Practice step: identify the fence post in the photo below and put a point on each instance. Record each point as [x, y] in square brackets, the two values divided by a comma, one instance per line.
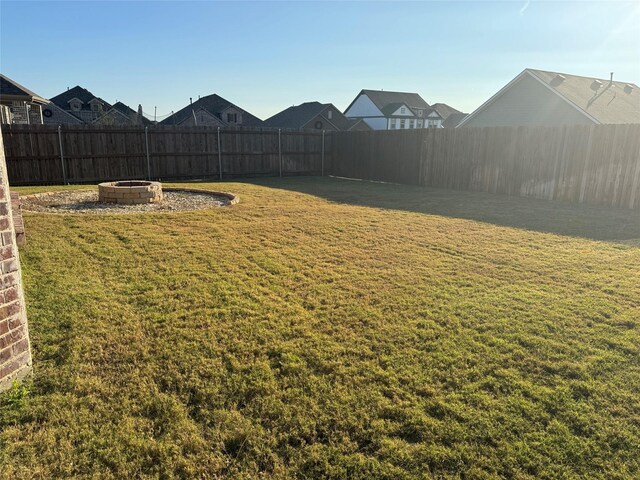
[64, 171]
[219, 155]
[322, 165]
[146, 142]
[280, 151]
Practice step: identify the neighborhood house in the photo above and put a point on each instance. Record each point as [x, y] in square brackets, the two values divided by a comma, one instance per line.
[18, 103]
[315, 116]
[212, 110]
[538, 97]
[393, 110]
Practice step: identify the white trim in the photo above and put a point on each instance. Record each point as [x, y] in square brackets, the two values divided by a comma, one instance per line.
[509, 85]
[75, 98]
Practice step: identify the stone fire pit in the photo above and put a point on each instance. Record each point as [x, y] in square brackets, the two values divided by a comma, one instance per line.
[130, 192]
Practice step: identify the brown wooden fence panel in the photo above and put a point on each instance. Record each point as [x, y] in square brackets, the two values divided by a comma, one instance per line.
[597, 164]
[99, 153]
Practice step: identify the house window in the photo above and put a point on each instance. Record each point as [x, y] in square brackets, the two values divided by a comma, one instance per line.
[95, 106]
[75, 106]
[412, 124]
[402, 123]
[419, 123]
[232, 117]
[403, 110]
[419, 113]
[329, 114]
[393, 124]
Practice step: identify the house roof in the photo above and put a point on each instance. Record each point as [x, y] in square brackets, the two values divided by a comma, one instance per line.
[382, 98]
[215, 105]
[296, 116]
[130, 112]
[609, 104]
[82, 94]
[12, 90]
[613, 102]
[392, 108]
[445, 110]
[453, 119]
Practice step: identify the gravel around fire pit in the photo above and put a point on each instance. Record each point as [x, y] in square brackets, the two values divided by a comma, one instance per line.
[86, 201]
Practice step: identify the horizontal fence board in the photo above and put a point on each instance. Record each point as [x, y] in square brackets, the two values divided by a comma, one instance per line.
[100, 153]
[597, 164]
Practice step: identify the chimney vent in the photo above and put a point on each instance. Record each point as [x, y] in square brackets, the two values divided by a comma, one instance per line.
[595, 86]
[628, 88]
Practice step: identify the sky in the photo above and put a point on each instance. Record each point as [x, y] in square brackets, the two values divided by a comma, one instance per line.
[267, 56]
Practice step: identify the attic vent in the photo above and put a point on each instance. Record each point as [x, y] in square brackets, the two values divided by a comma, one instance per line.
[628, 89]
[557, 80]
[595, 86]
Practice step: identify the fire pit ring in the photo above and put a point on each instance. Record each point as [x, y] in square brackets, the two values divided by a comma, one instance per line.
[130, 192]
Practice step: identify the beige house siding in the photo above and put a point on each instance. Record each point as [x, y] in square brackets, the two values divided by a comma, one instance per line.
[527, 103]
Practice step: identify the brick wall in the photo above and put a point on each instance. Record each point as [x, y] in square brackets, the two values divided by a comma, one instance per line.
[15, 352]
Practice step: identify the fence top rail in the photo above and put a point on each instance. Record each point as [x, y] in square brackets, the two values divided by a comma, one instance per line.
[51, 128]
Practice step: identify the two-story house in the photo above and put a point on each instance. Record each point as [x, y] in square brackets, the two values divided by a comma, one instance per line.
[75, 106]
[212, 110]
[383, 110]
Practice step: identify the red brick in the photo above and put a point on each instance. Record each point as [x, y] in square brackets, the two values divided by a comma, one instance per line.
[9, 280]
[6, 252]
[15, 322]
[10, 338]
[5, 355]
[21, 346]
[9, 266]
[15, 364]
[13, 308]
[2, 192]
[10, 294]
[4, 223]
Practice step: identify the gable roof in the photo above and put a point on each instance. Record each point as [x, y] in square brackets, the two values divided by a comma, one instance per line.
[444, 110]
[613, 102]
[392, 108]
[82, 94]
[453, 120]
[129, 112]
[12, 90]
[215, 105]
[296, 116]
[382, 98]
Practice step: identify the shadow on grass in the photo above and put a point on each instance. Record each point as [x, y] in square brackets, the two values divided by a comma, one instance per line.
[588, 221]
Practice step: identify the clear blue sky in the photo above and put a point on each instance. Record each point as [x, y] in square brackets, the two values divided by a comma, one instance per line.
[266, 56]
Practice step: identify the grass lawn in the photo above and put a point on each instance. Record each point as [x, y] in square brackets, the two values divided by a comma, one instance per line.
[325, 328]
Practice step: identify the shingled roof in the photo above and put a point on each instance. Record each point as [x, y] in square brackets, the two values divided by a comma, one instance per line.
[215, 105]
[444, 110]
[613, 102]
[11, 90]
[130, 112]
[382, 98]
[82, 94]
[296, 116]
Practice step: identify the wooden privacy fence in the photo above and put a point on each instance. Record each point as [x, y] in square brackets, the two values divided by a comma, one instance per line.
[598, 164]
[45, 154]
